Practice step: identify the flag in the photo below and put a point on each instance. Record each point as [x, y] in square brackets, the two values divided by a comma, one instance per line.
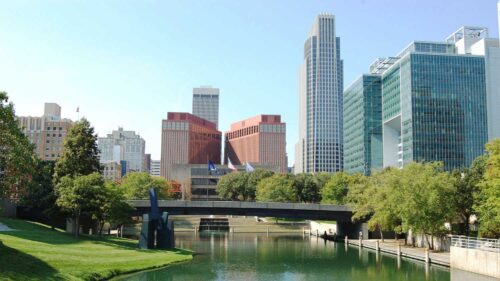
[211, 167]
[78, 109]
[230, 165]
[249, 167]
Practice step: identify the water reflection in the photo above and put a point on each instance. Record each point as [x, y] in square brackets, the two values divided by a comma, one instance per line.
[222, 256]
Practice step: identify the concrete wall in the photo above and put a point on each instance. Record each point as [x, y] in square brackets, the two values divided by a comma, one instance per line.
[440, 243]
[477, 261]
[321, 228]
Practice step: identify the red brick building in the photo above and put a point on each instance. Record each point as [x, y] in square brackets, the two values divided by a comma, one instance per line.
[188, 139]
[258, 140]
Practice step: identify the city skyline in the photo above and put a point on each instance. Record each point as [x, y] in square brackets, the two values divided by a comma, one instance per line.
[72, 87]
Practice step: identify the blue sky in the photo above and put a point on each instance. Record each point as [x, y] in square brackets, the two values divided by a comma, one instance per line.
[127, 63]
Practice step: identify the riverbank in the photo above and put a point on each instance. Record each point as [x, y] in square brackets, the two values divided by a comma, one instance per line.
[391, 246]
[32, 251]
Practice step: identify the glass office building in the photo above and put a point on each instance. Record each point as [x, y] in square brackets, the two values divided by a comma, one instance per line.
[363, 125]
[320, 101]
[433, 107]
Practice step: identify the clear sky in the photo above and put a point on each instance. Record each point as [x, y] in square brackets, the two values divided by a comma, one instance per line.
[127, 63]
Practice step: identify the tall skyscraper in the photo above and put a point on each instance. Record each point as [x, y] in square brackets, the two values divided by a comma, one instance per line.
[206, 104]
[188, 139]
[363, 125]
[121, 146]
[46, 132]
[320, 148]
[258, 140]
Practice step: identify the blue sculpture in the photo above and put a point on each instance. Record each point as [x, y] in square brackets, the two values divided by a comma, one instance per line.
[157, 232]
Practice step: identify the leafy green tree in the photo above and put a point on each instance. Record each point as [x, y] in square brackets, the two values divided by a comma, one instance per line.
[136, 185]
[277, 188]
[467, 190]
[383, 197]
[241, 186]
[322, 178]
[81, 195]
[336, 189]
[40, 193]
[487, 204]
[307, 188]
[17, 159]
[424, 202]
[80, 155]
[253, 180]
[114, 210]
[233, 186]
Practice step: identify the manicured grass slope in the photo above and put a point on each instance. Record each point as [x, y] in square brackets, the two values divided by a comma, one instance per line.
[35, 252]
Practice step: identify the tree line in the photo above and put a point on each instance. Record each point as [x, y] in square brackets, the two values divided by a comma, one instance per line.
[73, 185]
[420, 196]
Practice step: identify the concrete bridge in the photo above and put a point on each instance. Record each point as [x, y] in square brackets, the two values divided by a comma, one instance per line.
[341, 214]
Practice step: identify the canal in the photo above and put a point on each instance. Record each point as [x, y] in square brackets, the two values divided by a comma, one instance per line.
[225, 256]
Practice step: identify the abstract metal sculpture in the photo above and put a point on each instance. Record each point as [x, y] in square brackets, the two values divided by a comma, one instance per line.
[157, 232]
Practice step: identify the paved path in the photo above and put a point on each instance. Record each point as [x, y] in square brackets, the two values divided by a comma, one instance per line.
[3, 227]
[390, 246]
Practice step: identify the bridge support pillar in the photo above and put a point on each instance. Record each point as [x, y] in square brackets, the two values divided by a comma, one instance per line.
[352, 230]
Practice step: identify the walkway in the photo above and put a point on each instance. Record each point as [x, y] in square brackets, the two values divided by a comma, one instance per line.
[3, 227]
[390, 246]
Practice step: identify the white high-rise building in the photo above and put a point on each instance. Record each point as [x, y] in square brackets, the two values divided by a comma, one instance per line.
[155, 168]
[206, 104]
[123, 146]
[320, 148]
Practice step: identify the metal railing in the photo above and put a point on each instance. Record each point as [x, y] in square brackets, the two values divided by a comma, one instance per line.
[484, 244]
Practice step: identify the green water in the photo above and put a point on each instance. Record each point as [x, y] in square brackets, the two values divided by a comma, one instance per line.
[224, 256]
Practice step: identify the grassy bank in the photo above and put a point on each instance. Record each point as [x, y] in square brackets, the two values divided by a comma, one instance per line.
[35, 252]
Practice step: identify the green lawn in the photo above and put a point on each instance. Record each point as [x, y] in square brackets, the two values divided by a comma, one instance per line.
[35, 252]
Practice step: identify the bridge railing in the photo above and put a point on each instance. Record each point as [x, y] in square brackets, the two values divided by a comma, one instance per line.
[242, 204]
[490, 245]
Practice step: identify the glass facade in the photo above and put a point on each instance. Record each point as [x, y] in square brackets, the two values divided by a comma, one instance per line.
[448, 109]
[363, 125]
[434, 107]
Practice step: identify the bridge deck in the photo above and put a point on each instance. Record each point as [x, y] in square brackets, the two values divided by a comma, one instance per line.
[264, 209]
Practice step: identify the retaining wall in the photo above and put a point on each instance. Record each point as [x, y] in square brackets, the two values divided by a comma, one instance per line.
[476, 260]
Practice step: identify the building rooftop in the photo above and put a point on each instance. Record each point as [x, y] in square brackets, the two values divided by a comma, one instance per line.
[184, 116]
[256, 120]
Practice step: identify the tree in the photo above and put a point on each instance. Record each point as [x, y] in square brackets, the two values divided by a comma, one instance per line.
[322, 178]
[487, 204]
[424, 203]
[114, 210]
[17, 159]
[80, 155]
[306, 188]
[253, 180]
[336, 189]
[383, 197]
[136, 185]
[81, 195]
[467, 190]
[241, 186]
[40, 193]
[233, 186]
[277, 188]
